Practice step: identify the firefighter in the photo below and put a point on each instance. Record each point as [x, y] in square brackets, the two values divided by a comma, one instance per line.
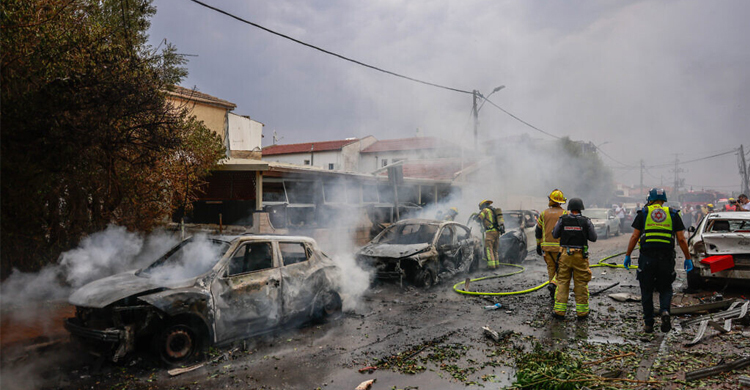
[547, 246]
[574, 232]
[450, 215]
[489, 221]
[657, 227]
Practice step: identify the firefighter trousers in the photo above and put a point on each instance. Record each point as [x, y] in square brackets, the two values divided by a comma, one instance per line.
[574, 266]
[552, 258]
[490, 248]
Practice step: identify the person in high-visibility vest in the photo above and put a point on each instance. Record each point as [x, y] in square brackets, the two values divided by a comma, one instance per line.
[574, 231]
[489, 223]
[450, 215]
[657, 227]
[547, 246]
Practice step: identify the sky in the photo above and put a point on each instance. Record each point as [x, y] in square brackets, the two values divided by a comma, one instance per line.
[651, 80]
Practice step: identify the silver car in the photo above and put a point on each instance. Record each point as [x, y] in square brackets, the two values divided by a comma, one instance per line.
[206, 291]
[720, 234]
[605, 222]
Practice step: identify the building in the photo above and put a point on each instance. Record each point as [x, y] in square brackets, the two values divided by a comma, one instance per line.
[339, 155]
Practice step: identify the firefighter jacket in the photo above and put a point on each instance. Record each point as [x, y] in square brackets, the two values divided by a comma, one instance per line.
[544, 225]
[489, 219]
[574, 231]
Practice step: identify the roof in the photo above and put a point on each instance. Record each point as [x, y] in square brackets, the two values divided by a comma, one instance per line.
[729, 215]
[434, 169]
[389, 145]
[307, 147]
[193, 95]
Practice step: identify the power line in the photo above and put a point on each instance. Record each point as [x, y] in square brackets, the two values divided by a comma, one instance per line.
[327, 51]
[697, 159]
[519, 119]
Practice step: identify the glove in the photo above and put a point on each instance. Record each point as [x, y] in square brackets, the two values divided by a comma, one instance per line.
[539, 249]
[688, 265]
[626, 263]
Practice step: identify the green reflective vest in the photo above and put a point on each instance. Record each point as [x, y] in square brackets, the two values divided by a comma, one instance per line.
[488, 219]
[658, 227]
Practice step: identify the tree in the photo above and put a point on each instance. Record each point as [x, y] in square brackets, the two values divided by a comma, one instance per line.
[88, 137]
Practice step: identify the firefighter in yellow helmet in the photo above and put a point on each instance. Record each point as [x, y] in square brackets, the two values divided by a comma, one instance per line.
[450, 215]
[574, 231]
[547, 246]
[493, 226]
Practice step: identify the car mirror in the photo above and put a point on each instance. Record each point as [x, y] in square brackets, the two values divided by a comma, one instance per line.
[691, 229]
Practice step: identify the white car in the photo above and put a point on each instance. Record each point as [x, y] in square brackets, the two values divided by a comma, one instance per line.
[604, 220]
[723, 239]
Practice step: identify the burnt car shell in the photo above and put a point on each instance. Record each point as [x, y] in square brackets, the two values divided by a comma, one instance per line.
[233, 295]
[419, 250]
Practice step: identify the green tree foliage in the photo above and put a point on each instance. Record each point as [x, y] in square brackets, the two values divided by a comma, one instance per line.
[88, 135]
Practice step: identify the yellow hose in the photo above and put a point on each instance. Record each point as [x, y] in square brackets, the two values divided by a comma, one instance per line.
[456, 288]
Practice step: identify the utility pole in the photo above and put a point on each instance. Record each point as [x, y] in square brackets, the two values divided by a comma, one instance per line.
[640, 189]
[677, 170]
[743, 171]
[474, 109]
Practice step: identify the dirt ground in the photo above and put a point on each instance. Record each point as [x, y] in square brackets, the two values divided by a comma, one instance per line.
[407, 338]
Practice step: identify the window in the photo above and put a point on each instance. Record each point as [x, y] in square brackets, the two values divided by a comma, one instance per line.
[301, 191]
[307, 162]
[330, 166]
[462, 233]
[385, 161]
[446, 237]
[293, 252]
[251, 257]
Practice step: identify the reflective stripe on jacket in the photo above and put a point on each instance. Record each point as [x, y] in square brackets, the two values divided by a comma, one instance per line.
[657, 229]
[487, 215]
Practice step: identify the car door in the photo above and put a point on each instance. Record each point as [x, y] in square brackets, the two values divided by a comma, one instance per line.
[446, 245]
[298, 288]
[247, 292]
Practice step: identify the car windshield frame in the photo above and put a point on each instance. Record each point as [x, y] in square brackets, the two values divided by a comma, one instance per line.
[394, 234]
[175, 256]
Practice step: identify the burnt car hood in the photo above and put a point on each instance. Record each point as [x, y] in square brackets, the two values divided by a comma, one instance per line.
[103, 292]
[393, 251]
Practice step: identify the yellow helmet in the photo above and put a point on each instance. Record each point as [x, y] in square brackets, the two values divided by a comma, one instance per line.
[557, 196]
[710, 205]
[455, 210]
[485, 202]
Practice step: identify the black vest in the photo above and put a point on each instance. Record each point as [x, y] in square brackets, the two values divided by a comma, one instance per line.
[574, 231]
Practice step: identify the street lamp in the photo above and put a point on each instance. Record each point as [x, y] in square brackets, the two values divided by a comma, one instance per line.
[476, 109]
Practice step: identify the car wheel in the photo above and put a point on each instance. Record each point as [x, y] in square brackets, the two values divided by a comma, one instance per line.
[178, 343]
[425, 278]
[326, 305]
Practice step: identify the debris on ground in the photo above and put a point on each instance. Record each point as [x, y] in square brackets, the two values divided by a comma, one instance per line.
[735, 312]
[625, 297]
[705, 372]
[701, 307]
[366, 385]
[595, 293]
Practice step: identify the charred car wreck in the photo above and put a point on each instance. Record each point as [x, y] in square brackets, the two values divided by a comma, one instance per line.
[420, 250]
[206, 291]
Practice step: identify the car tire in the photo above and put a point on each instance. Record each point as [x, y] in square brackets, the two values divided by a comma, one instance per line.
[178, 343]
[425, 278]
[326, 305]
[694, 280]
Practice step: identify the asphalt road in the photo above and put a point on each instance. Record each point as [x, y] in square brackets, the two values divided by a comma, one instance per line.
[424, 339]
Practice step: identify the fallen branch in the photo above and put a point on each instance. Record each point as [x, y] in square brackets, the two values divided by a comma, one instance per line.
[368, 369]
[609, 358]
[178, 371]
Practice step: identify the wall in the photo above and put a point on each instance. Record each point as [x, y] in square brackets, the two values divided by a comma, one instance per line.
[319, 159]
[245, 137]
[214, 117]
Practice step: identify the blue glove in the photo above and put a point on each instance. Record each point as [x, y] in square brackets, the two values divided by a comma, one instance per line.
[688, 265]
[626, 263]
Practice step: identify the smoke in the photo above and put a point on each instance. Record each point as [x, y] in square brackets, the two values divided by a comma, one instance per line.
[192, 259]
[101, 254]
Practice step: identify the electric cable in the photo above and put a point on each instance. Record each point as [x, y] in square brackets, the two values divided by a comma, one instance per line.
[328, 51]
[456, 288]
[519, 119]
[694, 160]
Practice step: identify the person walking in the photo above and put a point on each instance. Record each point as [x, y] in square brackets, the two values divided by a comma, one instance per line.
[547, 246]
[657, 227]
[574, 231]
[489, 221]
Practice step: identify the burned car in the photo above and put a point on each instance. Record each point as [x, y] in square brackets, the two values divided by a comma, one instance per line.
[206, 291]
[720, 249]
[420, 250]
[514, 245]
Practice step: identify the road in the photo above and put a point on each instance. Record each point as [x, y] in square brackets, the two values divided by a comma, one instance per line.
[423, 339]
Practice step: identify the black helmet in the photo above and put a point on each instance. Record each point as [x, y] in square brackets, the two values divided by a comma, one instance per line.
[575, 204]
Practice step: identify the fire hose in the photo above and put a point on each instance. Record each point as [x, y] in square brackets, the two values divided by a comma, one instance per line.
[456, 288]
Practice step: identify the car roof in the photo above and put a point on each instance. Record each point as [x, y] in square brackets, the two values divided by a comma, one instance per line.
[743, 215]
[258, 237]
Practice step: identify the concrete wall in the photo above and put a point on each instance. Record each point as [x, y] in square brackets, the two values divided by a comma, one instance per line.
[213, 117]
[319, 159]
